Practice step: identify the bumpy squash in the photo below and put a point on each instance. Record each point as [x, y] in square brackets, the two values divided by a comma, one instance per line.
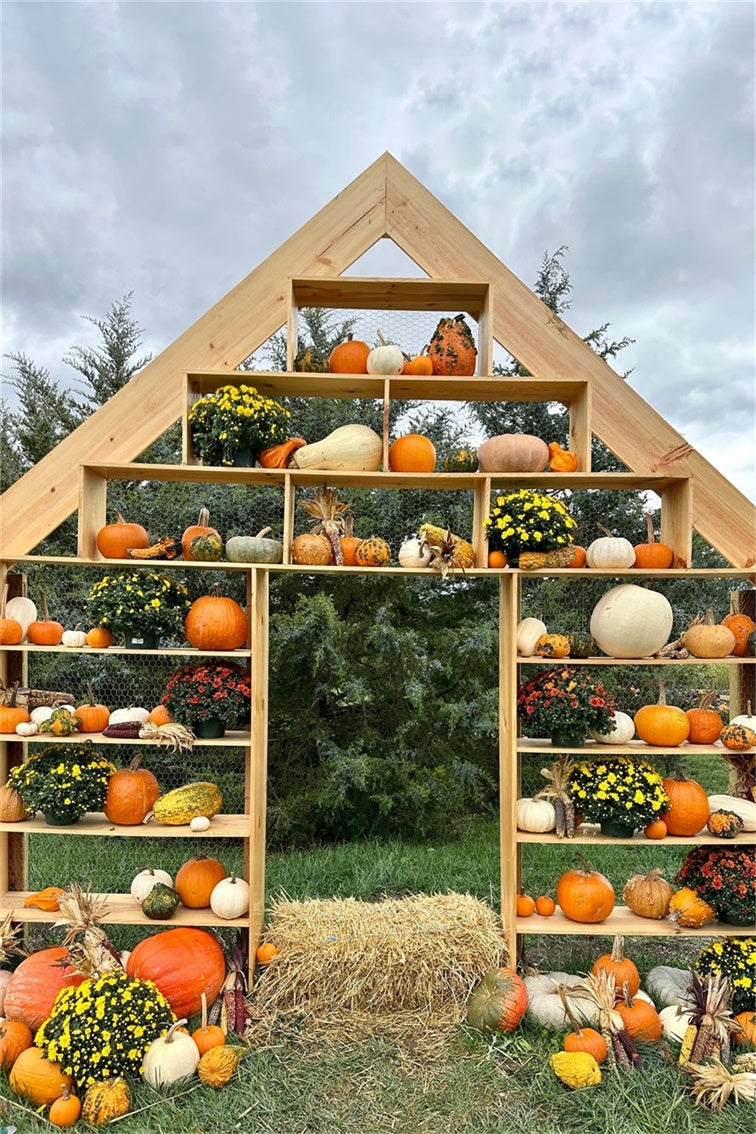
[206, 548]
[737, 737]
[463, 460]
[452, 348]
[161, 903]
[724, 824]
[183, 804]
[576, 1069]
[553, 646]
[105, 1101]
[582, 645]
[218, 1064]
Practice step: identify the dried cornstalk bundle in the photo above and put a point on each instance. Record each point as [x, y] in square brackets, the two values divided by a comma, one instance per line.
[713, 1086]
[178, 736]
[558, 776]
[328, 512]
[232, 1007]
[91, 950]
[743, 771]
[708, 1036]
[9, 943]
[601, 989]
[35, 698]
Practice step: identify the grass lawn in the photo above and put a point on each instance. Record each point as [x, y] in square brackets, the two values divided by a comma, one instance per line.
[476, 1084]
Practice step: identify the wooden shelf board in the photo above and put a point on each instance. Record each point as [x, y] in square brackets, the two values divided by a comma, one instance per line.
[121, 909]
[95, 823]
[639, 839]
[485, 389]
[230, 740]
[624, 921]
[731, 660]
[399, 294]
[633, 748]
[27, 647]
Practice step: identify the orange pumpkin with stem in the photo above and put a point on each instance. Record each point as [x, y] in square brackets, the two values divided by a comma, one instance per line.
[582, 1039]
[183, 963]
[36, 982]
[419, 365]
[92, 717]
[497, 559]
[66, 1110]
[12, 714]
[100, 638]
[545, 905]
[705, 722]
[15, 1037]
[640, 1018]
[11, 630]
[656, 830]
[207, 1035]
[688, 806]
[742, 627]
[616, 964]
[412, 453]
[115, 540]
[585, 895]
[216, 622]
[349, 542]
[201, 528]
[747, 1033]
[196, 879]
[131, 794]
[525, 905]
[652, 555]
[45, 631]
[38, 1079]
[160, 715]
[662, 725]
[349, 357]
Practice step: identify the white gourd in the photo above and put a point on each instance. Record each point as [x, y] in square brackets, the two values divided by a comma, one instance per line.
[170, 1058]
[747, 719]
[608, 553]
[536, 815]
[74, 639]
[742, 807]
[631, 621]
[27, 728]
[146, 879]
[529, 630]
[545, 1005]
[622, 730]
[132, 713]
[667, 984]
[40, 714]
[351, 448]
[385, 359]
[199, 823]
[230, 898]
[675, 1020]
[413, 553]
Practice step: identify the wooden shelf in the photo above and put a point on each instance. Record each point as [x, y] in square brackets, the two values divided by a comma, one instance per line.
[123, 651]
[633, 748]
[624, 921]
[95, 823]
[121, 909]
[236, 739]
[730, 660]
[744, 839]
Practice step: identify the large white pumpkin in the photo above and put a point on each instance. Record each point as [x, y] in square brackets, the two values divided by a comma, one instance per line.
[631, 621]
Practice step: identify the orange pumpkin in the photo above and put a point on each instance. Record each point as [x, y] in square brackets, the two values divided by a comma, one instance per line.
[131, 794]
[100, 638]
[201, 528]
[662, 725]
[216, 622]
[311, 549]
[640, 1018]
[349, 542]
[616, 964]
[11, 630]
[196, 879]
[705, 722]
[15, 1037]
[91, 716]
[160, 715]
[45, 631]
[265, 953]
[419, 365]
[656, 830]
[742, 627]
[545, 905]
[586, 1039]
[36, 982]
[66, 1110]
[652, 555]
[525, 905]
[47, 899]
[578, 556]
[373, 552]
[12, 714]
[114, 541]
[688, 806]
[183, 963]
[497, 559]
[207, 1035]
[747, 1034]
[585, 895]
[38, 1079]
[349, 357]
[412, 453]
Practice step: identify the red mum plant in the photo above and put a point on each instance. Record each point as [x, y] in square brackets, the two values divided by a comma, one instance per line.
[197, 693]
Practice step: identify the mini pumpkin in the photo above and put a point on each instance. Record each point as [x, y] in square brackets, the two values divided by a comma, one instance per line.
[706, 638]
[705, 722]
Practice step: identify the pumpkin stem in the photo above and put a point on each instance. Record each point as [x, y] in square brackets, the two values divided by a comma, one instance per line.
[169, 1037]
[203, 520]
[263, 532]
[381, 339]
[606, 531]
[203, 1024]
[618, 954]
[45, 611]
[584, 863]
[650, 528]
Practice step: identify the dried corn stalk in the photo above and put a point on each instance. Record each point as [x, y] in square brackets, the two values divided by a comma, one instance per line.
[601, 989]
[712, 1085]
[178, 736]
[708, 1036]
[91, 950]
[558, 776]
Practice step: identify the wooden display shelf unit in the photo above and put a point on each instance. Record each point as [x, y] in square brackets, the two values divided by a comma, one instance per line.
[744, 839]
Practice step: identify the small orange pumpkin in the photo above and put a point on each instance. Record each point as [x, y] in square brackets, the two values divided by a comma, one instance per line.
[616, 964]
[497, 559]
[419, 365]
[12, 714]
[640, 1018]
[115, 540]
[545, 905]
[662, 725]
[705, 722]
[92, 717]
[652, 555]
[15, 1037]
[656, 830]
[45, 631]
[525, 905]
[195, 881]
[747, 1034]
[265, 953]
[66, 1110]
[689, 910]
[99, 638]
[207, 1035]
[131, 794]
[349, 357]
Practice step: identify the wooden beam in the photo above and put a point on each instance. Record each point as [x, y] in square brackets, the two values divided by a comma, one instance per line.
[221, 339]
[433, 237]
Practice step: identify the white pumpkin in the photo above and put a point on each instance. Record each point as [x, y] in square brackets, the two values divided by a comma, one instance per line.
[747, 719]
[74, 639]
[146, 879]
[40, 714]
[230, 898]
[621, 732]
[121, 716]
[536, 815]
[199, 823]
[668, 985]
[170, 1058]
[413, 553]
[631, 621]
[27, 728]
[609, 553]
[545, 1005]
[385, 359]
[529, 630]
[742, 807]
[675, 1020]
[23, 610]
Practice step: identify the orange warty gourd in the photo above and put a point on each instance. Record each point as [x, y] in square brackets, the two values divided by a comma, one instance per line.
[705, 722]
[689, 910]
[216, 622]
[412, 453]
[201, 528]
[452, 348]
[562, 460]
[652, 555]
[311, 550]
[36, 982]
[525, 905]
[131, 794]
[38, 1079]
[349, 357]
[15, 1037]
[115, 540]
[373, 552]
[688, 806]
[662, 725]
[585, 895]
[45, 631]
[742, 627]
[619, 966]
[195, 880]
[640, 1018]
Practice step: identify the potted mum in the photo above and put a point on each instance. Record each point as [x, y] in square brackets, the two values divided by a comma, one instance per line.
[725, 878]
[619, 792]
[528, 521]
[143, 606]
[64, 782]
[565, 704]
[209, 697]
[232, 425]
[733, 957]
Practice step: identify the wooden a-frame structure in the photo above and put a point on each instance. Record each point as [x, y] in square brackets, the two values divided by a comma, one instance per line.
[383, 201]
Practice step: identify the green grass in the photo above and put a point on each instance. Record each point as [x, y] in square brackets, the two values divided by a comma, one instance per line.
[477, 1084]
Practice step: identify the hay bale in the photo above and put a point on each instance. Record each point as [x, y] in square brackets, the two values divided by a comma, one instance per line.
[387, 967]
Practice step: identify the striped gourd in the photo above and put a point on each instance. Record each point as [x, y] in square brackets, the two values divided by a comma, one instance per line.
[183, 804]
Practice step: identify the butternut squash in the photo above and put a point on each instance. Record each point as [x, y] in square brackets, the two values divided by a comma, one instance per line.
[354, 448]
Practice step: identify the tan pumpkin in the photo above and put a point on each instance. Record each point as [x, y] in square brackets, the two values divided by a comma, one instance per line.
[513, 452]
[311, 550]
[706, 638]
[12, 808]
[648, 895]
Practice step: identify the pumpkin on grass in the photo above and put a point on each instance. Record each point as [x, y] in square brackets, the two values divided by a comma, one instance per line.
[183, 963]
[171, 1058]
[38, 1079]
[15, 1037]
[66, 1110]
[640, 1018]
[36, 982]
[107, 1100]
[207, 1036]
[582, 1038]
[497, 1002]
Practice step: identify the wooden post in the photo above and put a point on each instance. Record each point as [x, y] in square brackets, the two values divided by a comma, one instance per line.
[743, 677]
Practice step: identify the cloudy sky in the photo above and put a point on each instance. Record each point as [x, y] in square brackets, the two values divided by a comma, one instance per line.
[168, 148]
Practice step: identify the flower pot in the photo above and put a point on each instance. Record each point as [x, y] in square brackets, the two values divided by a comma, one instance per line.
[144, 640]
[244, 459]
[732, 917]
[568, 739]
[211, 729]
[616, 829]
[60, 818]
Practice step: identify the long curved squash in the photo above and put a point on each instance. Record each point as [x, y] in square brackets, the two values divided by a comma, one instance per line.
[183, 804]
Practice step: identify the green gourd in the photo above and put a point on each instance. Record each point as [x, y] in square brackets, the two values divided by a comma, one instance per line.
[582, 645]
[161, 903]
[463, 460]
[206, 548]
[254, 549]
[180, 806]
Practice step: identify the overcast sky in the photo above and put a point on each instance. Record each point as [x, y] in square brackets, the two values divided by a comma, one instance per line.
[168, 148]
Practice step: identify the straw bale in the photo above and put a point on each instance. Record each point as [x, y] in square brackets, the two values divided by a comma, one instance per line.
[399, 966]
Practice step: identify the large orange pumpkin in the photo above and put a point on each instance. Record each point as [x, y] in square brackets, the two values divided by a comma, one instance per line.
[216, 622]
[183, 963]
[115, 540]
[640, 1018]
[196, 879]
[584, 894]
[688, 806]
[412, 453]
[131, 794]
[36, 982]
[38, 1079]
[662, 725]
